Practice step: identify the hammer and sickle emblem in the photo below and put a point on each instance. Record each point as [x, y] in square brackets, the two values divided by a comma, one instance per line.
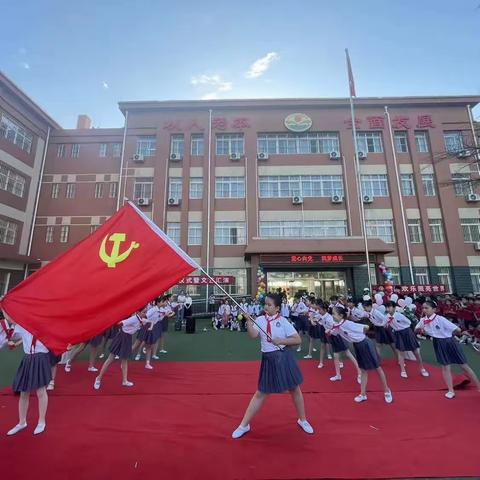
[115, 255]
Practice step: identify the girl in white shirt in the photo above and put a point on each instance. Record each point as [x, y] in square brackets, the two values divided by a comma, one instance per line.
[447, 351]
[33, 374]
[122, 347]
[279, 371]
[321, 317]
[367, 356]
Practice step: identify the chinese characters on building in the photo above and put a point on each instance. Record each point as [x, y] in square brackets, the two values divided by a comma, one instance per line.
[218, 123]
[399, 122]
[405, 289]
[204, 280]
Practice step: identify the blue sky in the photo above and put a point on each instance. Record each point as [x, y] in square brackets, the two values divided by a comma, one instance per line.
[84, 57]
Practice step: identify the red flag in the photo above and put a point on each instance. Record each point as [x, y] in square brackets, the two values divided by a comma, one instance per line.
[351, 82]
[115, 271]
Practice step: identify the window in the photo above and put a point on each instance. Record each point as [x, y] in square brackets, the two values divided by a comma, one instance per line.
[61, 150]
[8, 232]
[64, 231]
[70, 192]
[436, 230]
[286, 186]
[143, 188]
[146, 146]
[428, 183]
[414, 230]
[395, 271]
[230, 233]
[75, 150]
[175, 187]
[177, 145]
[196, 188]
[401, 142]
[117, 150]
[10, 181]
[369, 142]
[99, 190]
[444, 278]
[102, 152]
[421, 275]
[196, 144]
[408, 187]
[298, 143]
[55, 190]
[421, 142]
[374, 185]
[475, 275]
[173, 231]
[195, 233]
[229, 187]
[382, 229]
[49, 234]
[471, 229]
[228, 143]
[462, 184]
[15, 133]
[306, 229]
[112, 190]
[240, 287]
[453, 141]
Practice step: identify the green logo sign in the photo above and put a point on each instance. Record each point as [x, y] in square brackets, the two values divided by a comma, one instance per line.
[298, 122]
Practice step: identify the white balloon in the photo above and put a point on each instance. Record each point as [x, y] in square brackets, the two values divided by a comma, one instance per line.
[412, 307]
[401, 302]
[408, 300]
[382, 294]
[366, 297]
[381, 308]
[394, 297]
[378, 296]
[379, 301]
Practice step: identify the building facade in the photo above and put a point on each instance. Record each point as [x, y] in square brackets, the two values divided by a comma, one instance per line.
[24, 133]
[268, 187]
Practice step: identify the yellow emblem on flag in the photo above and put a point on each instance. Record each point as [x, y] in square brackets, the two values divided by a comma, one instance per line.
[115, 255]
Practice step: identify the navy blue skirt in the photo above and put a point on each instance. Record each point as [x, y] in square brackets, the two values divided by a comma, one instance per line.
[366, 354]
[279, 372]
[54, 359]
[300, 323]
[111, 332]
[405, 340]
[314, 331]
[164, 324]
[142, 333]
[448, 351]
[152, 336]
[33, 373]
[384, 335]
[158, 331]
[122, 345]
[323, 336]
[338, 344]
[96, 341]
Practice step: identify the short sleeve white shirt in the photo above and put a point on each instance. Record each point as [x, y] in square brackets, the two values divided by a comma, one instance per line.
[280, 328]
[27, 339]
[350, 331]
[131, 324]
[437, 326]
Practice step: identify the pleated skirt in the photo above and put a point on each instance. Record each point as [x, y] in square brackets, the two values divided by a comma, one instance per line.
[96, 341]
[338, 344]
[279, 372]
[384, 335]
[448, 351]
[122, 345]
[314, 331]
[405, 340]
[366, 354]
[33, 373]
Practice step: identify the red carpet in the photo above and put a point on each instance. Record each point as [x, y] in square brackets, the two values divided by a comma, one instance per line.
[177, 420]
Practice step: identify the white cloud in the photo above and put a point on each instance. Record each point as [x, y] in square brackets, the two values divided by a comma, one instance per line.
[105, 85]
[212, 81]
[260, 66]
[25, 65]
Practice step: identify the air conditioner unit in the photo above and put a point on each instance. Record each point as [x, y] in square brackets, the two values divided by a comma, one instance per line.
[234, 157]
[464, 153]
[334, 155]
[367, 199]
[143, 201]
[297, 200]
[262, 156]
[138, 158]
[173, 201]
[362, 156]
[337, 198]
[472, 197]
[174, 157]
[477, 246]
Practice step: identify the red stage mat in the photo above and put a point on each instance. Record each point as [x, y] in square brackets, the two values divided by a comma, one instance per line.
[177, 420]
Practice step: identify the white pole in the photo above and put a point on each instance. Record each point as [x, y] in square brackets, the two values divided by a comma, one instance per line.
[475, 139]
[125, 182]
[402, 208]
[208, 198]
[347, 196]
[122, 158]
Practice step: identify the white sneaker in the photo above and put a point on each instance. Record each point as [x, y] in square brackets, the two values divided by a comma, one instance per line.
[450, 395]
[299, 349]
[68, 367]
[92, 369]
[307, 357]
[116, 357]
[314, 349]
[305, 426]
[240, 431]
[155, 357]
[96, 384]
[388, 397]
[137, 357]
[40, 428]
[341, 365]
[404, 374]
[101, 355]
[336, 378]
[51, 385]
[360, 398]
[424, 373]
[148, 366]
[17, 428]
[127, 384]
[144, 350]
[329, 356]
[163, 351]
[320, 365]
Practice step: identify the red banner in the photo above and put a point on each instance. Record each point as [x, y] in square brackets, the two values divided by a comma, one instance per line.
[405, 289]
[204, 280]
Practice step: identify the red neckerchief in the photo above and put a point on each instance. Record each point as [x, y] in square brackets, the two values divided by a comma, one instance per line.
[390, 320]
[427, 320]
[338, 325]
[8, 331]
[139, 318]
[32, 346]
[269, 327]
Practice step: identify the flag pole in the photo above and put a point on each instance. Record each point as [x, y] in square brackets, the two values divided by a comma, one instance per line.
[357, 167]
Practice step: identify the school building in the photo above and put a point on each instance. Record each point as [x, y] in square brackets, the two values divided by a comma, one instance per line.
[264, 187]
